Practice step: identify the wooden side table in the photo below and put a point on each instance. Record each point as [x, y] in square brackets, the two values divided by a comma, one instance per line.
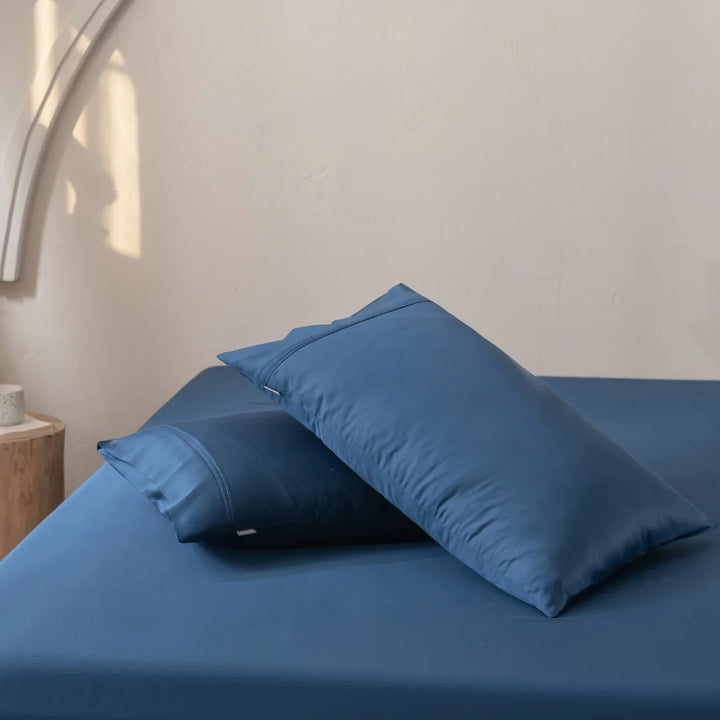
[31, 478]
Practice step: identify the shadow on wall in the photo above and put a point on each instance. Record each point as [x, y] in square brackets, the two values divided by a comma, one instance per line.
[517, 172]
[86, 210]
[101, 154]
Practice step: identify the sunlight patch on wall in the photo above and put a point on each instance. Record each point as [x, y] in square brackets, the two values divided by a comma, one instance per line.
[118, 129]
[80, 131]
[70, 197]
[45, 22]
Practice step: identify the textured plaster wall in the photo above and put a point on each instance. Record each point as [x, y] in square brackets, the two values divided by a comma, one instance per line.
[226, 170]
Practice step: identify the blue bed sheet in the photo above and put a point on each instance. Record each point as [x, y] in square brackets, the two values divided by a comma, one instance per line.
[104, 615]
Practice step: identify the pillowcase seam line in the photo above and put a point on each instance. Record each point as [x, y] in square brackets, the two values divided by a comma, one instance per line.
[219, 477]
[267, 374]
[151, 483]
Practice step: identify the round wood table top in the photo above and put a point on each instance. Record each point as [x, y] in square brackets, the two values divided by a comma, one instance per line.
[53, 427]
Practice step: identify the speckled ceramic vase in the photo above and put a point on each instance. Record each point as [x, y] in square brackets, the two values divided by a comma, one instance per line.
[12, 404]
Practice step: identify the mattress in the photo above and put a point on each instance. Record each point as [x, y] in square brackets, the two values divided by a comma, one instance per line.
[103, 614]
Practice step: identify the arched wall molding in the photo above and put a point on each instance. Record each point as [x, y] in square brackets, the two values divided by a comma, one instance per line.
[20, 166]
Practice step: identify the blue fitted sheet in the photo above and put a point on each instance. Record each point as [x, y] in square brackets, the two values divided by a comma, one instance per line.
[103, 614]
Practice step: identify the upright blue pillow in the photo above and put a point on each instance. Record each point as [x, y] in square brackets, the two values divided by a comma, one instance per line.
[258, 474]
[477, 451]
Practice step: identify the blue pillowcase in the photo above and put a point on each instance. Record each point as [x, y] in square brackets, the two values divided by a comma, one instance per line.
[257, 473]
[477, 451]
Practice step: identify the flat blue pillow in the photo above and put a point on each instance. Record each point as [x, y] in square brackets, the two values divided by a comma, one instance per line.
[477, 451]
[258, 474]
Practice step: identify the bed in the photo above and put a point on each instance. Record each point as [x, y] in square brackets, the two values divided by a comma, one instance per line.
[104, 615]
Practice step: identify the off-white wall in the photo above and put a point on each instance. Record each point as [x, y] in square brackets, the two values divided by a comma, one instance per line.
[226, 170]
[26, 38]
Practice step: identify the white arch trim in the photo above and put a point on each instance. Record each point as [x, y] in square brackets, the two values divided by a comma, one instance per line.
[20, 166]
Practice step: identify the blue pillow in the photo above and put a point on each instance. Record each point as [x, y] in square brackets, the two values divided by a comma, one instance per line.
[477, 451]
[258, 474]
